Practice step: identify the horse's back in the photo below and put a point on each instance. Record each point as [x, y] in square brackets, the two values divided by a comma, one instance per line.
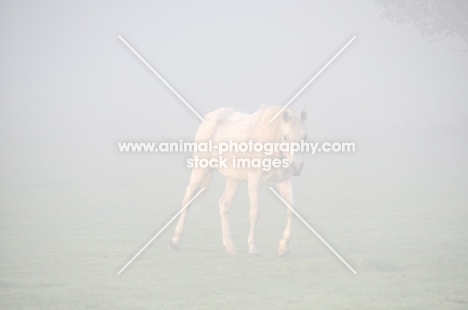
[216, 120]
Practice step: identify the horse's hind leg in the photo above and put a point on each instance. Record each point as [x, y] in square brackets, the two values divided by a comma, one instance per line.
[285, 190]
[197, 179]
[224, 206]
[254, 190]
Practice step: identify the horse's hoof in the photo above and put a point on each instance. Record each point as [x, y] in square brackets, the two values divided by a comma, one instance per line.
[232, 251]
[254, 252]
[282, 252]
[173, 246]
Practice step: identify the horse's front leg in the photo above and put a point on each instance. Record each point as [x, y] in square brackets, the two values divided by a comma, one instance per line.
[254, 191]
[285, 190]
[224, 207]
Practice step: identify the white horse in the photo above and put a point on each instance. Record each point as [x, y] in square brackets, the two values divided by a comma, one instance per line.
[227, 124]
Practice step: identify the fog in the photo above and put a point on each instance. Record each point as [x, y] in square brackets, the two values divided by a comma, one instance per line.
[74, 210]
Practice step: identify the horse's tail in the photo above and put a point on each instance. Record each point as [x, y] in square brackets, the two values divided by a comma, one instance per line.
[207, 180]
[205, 133]
[207, 184]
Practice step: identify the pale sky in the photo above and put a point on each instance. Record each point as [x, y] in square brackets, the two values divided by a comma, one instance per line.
[66, 76]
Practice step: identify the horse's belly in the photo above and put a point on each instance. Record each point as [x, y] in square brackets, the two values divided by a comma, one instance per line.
[238, 174]
[276, 175]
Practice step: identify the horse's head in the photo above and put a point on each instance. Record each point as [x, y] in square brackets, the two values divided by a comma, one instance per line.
[293, 131]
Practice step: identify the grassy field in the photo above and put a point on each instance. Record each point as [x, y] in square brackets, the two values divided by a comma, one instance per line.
[65, 235]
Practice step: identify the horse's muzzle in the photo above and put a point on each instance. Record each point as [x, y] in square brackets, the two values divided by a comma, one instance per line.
[296, 169]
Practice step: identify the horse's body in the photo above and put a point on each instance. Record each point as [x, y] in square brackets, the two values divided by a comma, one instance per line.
[227, 124]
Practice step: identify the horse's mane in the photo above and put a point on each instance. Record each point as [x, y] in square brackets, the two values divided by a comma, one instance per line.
[261, 130]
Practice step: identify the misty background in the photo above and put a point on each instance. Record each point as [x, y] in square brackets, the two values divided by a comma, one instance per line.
[73, 210]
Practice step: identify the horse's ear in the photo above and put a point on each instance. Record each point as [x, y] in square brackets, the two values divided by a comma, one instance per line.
[303, 115]
[285, 116]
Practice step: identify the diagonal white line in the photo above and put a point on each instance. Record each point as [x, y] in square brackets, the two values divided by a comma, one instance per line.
[313, 230]
[162, 79]
[161, 230]
[315, 76]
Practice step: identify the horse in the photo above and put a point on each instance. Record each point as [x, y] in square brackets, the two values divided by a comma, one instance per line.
[227, 124]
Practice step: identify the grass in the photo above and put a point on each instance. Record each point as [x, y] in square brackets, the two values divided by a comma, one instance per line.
[63, 242]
